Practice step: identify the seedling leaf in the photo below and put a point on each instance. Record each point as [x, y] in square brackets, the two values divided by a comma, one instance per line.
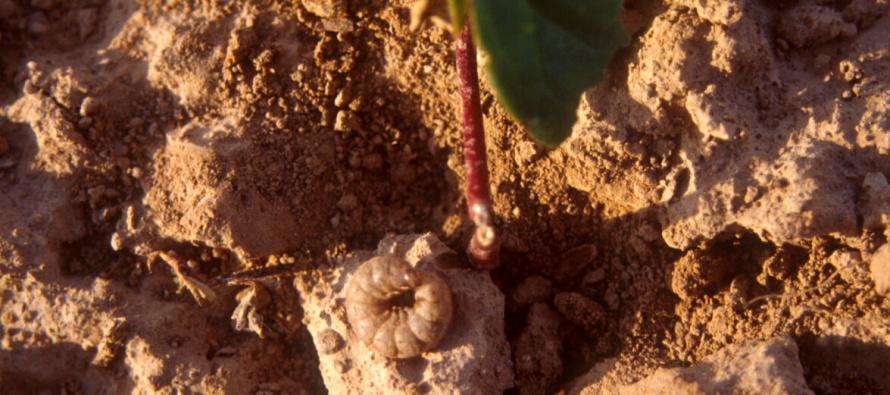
[458, 9]
[544, 53]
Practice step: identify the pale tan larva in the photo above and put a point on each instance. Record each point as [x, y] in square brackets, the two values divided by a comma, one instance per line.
[398, 311]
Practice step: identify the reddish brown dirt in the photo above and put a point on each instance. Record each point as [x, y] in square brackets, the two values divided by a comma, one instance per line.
[726, 183]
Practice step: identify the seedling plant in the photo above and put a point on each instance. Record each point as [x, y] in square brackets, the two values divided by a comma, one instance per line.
[542, 55]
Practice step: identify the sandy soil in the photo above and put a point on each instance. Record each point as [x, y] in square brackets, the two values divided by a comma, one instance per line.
[728, 182]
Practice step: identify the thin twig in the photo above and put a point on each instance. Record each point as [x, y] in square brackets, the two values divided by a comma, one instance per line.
[260, 274]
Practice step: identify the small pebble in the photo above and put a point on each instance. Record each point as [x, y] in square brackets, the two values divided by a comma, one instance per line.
[89, 107]
[880, 269]
[573, 263]
[30, 88]
[532, 289]
[579, 310]
[341, 367]
[108, 213]
[85, 123]
[595, 276]
[330, 342]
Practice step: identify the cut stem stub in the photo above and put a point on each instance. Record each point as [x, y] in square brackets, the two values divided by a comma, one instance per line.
[485, 245]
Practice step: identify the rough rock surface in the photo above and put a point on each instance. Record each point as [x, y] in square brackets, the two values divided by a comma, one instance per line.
[752, 367]
[72, 336]
[735, 162]
[473, 357]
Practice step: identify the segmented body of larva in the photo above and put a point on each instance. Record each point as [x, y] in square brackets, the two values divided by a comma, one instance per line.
[398, 311]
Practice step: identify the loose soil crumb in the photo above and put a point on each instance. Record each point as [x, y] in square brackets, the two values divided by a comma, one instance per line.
[726, 183]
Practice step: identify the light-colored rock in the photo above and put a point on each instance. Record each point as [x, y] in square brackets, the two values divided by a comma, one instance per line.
[346, 121]
[752, 367]
[526, 152]
[325, 8]
[712, 117]
[781, 155]
[473, 357]
[339, 25]
[146, 367]
[880, 269]
[795, 198]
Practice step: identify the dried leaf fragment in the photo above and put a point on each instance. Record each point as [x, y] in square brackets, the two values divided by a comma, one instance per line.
[246, 317]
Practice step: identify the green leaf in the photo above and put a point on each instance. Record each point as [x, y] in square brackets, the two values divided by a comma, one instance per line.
[543, 54]
[458, 10]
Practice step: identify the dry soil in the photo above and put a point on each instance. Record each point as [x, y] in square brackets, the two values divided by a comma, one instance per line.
[726, 183]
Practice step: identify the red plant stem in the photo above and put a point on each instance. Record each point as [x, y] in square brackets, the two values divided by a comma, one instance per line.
[484, 246]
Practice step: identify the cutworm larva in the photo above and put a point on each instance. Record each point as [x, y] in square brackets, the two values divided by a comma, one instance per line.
[398, 311]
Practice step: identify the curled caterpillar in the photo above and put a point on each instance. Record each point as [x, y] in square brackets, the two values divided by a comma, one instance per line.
[398, 311]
